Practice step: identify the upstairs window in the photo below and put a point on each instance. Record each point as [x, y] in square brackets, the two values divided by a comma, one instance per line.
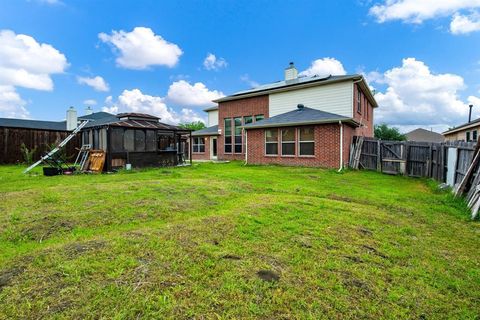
[359, 101]
[247, 119]
[468, 136]
[198, 145]
[259, 117]
[271, 142]
[474, 135]
[306, 141]
[228, 135]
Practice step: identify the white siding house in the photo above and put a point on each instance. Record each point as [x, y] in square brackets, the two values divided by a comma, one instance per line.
[334, 98]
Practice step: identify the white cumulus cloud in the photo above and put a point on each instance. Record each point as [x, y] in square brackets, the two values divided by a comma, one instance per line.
[26, 63]
[211, 62]
[11, 104]
[90, 102]
[136, 101]
[417, 11]
[324, 67]
[415, 96]
[197, 95]
[142, 48]
[462, 24]
[97, 83]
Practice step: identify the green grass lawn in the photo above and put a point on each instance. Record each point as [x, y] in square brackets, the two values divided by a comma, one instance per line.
[231, 241]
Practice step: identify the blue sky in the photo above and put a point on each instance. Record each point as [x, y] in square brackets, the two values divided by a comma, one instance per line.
[423, 60]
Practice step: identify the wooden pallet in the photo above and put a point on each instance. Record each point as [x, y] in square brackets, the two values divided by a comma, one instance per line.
[96, 161]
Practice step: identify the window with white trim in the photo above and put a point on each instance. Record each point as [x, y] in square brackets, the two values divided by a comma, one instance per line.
[288, 142]
[198, 145]
[237, 122]
[271, 142]
[228, 135]
[306, 141]
[474, 135]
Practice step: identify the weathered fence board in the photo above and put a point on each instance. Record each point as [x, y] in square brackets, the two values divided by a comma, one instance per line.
[11, 140]
[416, 159]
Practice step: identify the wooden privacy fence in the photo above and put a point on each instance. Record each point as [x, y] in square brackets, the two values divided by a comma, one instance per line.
[445, 162]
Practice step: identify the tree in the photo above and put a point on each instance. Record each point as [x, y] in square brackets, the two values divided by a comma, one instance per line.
[194, 125]
[384, 132]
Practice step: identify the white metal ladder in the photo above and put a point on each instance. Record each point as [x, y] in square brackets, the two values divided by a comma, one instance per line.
[60, 146]
[82, 156]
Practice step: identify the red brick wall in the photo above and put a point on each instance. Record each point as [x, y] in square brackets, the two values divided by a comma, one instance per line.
[327, 148]
[202, 155]
[238, 108]
[365, 116]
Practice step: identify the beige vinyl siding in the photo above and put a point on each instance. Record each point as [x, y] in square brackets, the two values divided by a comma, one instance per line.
[335, 98]
[212, 118]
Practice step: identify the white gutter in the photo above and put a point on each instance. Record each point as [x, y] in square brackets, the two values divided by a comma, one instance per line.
[341, 146]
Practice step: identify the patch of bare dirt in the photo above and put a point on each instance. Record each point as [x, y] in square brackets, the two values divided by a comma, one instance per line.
[7, 276]
[268, 275]
[45, 227]
[79, 248]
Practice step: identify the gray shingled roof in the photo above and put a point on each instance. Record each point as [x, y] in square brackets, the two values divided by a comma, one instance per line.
[33, 124]
[210, 131]
[285, 85]
[299, 116]
[424, 135]
[211, 108]
[48, 125]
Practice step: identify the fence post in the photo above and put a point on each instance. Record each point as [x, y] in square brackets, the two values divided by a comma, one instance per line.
[379, 156]
[404, 154]
[429, 163]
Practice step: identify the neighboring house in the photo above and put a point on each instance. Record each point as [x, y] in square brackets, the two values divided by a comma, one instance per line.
[465, 132]
[37, 134]
[424, 135]
[137, 139]
[298, 121]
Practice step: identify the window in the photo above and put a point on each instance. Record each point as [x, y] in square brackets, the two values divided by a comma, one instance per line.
[85, 139]
[306, 141]
[95, 139]
[228, 135]
[474, 135]
[116, 139]
[468, 136]
[247, 119]
[238, 135]
[139, 140]
[166, 142]
[359, 101]
[271, 142]
[151, 141]
[259, 117]
[198, 145]
[129, 140]
[288, 142]
[366, 108]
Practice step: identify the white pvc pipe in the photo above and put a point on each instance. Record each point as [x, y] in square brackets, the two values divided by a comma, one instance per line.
[341, 146]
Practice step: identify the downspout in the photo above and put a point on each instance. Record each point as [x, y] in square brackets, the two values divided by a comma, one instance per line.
[246, 146]
[341, 146]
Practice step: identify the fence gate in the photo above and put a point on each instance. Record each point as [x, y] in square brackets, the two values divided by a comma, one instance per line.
[392, 158]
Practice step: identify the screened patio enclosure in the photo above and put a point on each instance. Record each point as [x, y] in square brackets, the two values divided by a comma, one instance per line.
[138, 139]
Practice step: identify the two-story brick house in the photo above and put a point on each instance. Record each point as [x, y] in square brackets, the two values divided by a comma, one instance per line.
[306, 121]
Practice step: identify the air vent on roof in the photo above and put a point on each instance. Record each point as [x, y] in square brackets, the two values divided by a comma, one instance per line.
[300, 106]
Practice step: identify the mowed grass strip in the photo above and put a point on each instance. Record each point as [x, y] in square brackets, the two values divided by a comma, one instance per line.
[234, 241]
